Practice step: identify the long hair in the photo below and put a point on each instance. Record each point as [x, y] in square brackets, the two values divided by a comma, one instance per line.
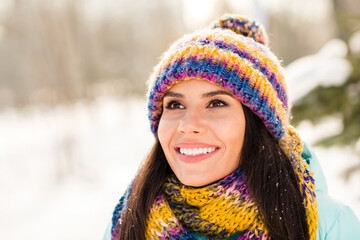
[146, 186]
[271, 181]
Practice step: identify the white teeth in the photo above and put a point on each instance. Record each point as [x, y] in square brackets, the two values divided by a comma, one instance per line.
[196, 151]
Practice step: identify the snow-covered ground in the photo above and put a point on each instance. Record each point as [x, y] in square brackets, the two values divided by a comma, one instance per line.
[63, 169]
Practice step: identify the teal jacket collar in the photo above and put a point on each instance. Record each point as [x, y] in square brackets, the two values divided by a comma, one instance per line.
[310, 157]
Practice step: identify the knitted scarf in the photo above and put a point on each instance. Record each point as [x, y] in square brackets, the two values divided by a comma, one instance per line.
[219, 211]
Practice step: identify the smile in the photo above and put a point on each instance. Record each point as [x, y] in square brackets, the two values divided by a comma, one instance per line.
[196, 151]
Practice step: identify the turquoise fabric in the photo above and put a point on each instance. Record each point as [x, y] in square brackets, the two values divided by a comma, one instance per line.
[336, 220]
[107, 235]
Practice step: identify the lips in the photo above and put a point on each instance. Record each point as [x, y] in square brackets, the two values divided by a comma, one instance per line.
[195, 152]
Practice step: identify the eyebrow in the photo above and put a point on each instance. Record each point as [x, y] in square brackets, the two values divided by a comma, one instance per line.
[205, 95]
[218, 92]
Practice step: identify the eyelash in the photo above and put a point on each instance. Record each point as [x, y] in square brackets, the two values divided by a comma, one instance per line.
[218, 101]
[169, 105]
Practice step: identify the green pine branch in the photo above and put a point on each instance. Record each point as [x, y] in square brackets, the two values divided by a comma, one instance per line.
[325, 101]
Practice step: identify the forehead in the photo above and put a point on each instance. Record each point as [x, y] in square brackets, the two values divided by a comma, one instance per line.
[195, 86]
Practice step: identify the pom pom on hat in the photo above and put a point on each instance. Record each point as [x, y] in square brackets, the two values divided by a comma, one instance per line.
[232, 54]
[244, 26]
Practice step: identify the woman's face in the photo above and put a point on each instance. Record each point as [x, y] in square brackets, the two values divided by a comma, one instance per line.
[201, 131]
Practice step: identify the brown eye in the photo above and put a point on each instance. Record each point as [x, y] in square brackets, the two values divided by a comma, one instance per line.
[174, 105]
[217, 103]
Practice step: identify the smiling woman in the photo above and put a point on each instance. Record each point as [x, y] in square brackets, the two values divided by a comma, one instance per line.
[226, 163]
[201, 131]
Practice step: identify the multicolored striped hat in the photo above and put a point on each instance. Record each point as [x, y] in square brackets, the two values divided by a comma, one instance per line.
[232, 53]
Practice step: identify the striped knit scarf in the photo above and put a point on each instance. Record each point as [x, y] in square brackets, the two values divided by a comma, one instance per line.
[219, 211]
[215, 211]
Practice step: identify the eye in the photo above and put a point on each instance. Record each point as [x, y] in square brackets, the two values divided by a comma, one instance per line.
[174, 105]
[217, 103]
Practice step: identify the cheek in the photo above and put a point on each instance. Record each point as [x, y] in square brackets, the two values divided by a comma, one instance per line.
[161, 133]
[165, 133]
[233, 133]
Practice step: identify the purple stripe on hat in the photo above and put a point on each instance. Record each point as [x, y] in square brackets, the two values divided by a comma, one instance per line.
[242, 53]
[211, 69]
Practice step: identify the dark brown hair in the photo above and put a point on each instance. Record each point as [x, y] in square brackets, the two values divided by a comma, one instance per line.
[271, 181]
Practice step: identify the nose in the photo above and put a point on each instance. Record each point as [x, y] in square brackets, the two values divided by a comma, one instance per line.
[192, 122]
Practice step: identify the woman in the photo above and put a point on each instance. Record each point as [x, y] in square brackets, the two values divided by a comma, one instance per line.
[226, 163]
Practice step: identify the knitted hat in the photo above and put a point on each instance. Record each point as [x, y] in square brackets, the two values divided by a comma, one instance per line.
[233, 54]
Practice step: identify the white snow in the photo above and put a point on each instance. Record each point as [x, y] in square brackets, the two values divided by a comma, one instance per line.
[354, 43]
[328, 67]
[63, 169]
[327, 127]
[335, 161]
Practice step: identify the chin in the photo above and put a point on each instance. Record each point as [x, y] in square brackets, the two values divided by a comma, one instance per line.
[196, 182]
[191, 181]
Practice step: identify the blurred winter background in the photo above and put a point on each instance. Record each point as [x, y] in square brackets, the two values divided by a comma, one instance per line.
[73, 124]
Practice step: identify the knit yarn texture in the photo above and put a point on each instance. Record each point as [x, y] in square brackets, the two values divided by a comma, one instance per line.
[216, 211]
[233, 54]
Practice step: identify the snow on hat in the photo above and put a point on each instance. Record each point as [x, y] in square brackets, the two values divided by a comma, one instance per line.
[234, 54]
